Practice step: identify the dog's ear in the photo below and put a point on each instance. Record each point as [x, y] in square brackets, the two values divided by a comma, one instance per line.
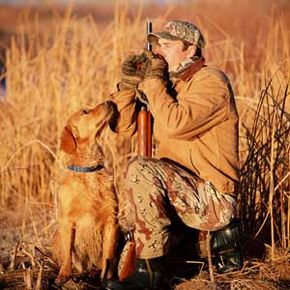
[67, 141]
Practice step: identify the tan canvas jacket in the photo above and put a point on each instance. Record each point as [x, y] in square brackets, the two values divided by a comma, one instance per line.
[198, 129]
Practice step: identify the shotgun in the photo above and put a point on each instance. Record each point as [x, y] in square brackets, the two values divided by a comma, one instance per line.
[144, 145]
[144, 122]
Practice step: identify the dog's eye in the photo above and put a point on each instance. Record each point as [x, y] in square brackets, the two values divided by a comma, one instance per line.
[86, 111]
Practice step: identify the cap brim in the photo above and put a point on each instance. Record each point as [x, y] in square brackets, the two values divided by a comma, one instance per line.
[153, 37]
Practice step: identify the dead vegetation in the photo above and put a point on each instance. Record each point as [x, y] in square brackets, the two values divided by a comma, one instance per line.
[30, 267]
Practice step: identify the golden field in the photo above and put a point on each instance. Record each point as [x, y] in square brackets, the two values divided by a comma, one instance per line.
[61, 58]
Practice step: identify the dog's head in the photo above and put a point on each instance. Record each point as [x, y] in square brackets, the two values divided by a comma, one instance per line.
[85, 125]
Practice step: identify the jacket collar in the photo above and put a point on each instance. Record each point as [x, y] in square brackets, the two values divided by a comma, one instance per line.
[85, 169]
[194, 68]
[189, 71]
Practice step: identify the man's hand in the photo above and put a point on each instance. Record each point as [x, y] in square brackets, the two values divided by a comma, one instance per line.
[156, 66]
[133, 71]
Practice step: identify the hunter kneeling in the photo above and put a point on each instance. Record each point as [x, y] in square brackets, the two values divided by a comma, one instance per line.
[196, 167]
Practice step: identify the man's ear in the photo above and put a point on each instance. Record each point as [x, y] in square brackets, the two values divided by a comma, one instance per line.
[67, 141]
[191, 50]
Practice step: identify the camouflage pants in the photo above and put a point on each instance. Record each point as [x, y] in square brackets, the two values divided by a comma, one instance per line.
[153, 190]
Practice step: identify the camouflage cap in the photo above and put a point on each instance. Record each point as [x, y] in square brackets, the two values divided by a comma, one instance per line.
[179, 30]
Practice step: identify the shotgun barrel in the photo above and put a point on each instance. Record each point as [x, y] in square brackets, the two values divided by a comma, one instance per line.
[149, 30]
[144, 122]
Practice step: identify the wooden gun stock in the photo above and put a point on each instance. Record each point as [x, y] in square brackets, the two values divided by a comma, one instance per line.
[144, 133]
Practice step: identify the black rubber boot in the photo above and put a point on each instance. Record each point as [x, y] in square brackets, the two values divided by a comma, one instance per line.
[149, 275]
[226, 248]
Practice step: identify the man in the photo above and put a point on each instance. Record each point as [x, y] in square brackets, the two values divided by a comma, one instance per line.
[195, 171]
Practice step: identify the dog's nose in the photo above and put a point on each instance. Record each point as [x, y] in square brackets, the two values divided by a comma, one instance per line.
[109, 103]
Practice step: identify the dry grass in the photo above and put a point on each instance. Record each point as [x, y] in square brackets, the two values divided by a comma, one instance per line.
[254, 275]
[52, 72]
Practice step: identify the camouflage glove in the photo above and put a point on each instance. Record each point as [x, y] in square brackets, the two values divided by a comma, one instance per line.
[156, 66]
[133, 71]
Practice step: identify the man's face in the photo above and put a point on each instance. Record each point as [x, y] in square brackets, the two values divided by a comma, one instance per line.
[173, 52]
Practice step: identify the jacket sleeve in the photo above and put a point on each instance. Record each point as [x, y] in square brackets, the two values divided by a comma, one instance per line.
[203, 105]
[126, 106]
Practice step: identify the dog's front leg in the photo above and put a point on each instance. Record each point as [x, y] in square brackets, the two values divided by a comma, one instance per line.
[66, 232]
[109, 246]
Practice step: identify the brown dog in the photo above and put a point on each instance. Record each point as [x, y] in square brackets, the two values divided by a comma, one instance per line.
[87, 226]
